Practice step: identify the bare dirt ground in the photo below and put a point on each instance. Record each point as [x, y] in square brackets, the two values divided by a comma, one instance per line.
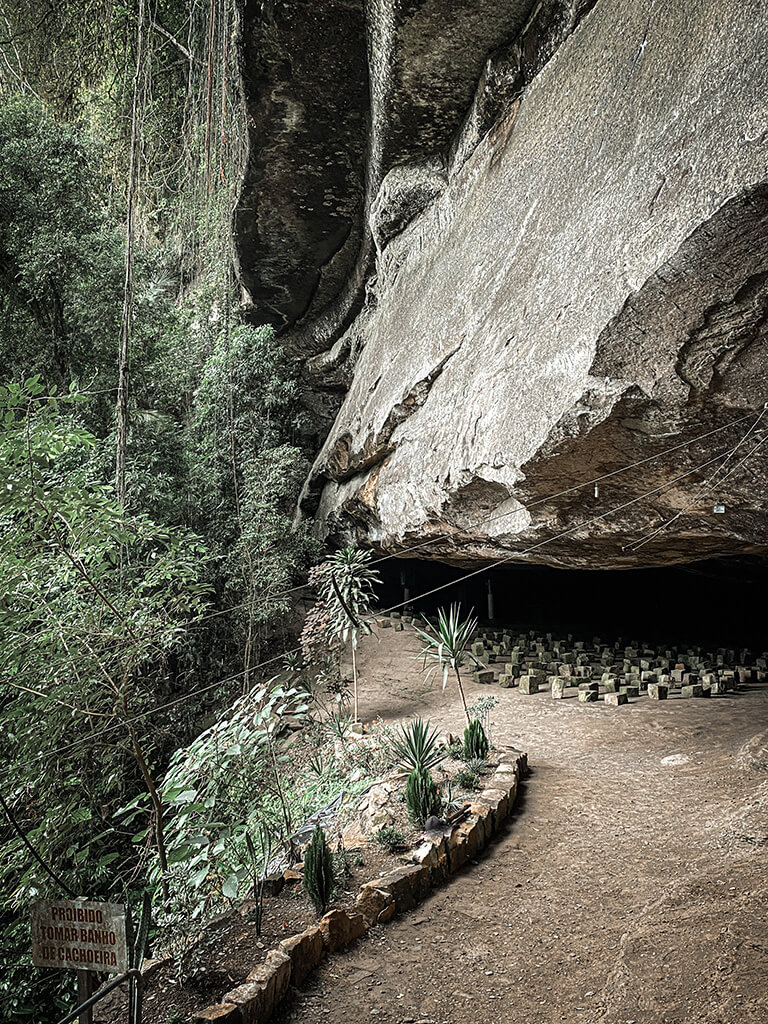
[629, 888]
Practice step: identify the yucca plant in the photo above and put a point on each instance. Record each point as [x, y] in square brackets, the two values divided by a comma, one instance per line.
[475, 745]
[347, 588]
[445, 644]
[422, 797]
[318, 870]
[415, 746]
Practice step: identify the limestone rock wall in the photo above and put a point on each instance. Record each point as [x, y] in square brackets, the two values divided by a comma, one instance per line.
[571, 276]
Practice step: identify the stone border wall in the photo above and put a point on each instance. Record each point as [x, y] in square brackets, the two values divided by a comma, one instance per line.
[431, 864]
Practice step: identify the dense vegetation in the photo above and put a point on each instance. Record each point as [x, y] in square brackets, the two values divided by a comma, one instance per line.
[132, 606]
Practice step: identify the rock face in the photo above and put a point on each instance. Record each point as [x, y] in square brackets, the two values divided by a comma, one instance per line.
[570, 274]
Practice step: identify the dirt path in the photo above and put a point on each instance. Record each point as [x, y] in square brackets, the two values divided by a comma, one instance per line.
[630, 888]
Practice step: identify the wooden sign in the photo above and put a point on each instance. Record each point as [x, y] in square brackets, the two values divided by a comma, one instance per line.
[79, 935]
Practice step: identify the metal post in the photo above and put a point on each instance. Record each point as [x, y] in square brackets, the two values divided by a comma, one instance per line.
[404, 585]
[490, 602]
[84, 993]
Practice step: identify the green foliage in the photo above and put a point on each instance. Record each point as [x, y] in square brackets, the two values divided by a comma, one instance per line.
[391, 838]
[481, 710]
[100, 608]
[355, 582]
[475, 741]
[60, 257]
[245, 477]
[95, 603]
[422, 797]
[477, 765]
[445, 645]
[415, 746]
[318, 870]
[346, 586]
[220, 791]
[466, 779]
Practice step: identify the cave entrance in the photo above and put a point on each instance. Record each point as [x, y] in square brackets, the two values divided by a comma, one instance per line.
[712, 603]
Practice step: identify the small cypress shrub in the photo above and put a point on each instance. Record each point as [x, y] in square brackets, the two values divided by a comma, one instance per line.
[475, 741]
[318, 870]
[422, 797]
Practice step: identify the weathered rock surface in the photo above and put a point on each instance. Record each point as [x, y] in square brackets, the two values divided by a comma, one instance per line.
[571, 275]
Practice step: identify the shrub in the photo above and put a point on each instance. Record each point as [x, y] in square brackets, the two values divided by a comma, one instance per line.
[475, 741]
[466, 778]
[390, 838]
[318, 870]
[455, 750]
[416, 747]
[422, 796]
[477, 765]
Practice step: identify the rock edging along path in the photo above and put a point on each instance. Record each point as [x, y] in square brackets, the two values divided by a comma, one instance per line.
[432, 863]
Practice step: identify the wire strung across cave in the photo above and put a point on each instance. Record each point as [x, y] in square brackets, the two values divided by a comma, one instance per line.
[706, 486]
[511, 512]
[46, 755]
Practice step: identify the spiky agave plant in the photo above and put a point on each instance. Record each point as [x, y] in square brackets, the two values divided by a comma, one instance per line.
[445, 644]
[415, 746]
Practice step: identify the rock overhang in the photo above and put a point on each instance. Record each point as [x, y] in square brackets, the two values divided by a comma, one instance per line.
[585, 290]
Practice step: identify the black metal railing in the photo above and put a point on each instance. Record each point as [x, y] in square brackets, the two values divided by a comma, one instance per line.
[134, 1011]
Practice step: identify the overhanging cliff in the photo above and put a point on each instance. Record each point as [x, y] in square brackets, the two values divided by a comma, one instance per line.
[564, 274]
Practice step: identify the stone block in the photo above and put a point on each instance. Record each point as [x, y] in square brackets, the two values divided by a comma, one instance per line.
[528, 685]
[340, 928]
[611, 685]
[478, 649]
[591, 685]
[221, 1013]
[507, 682]
[631, 691]
[557, 687]
[472, 833]
[588, 696]
[616, 699]
[658, 691]
[371, 901]
[692, 690]
[498, 801]
[483, 675]
[305, 951]
[408, 885]
[484, 815]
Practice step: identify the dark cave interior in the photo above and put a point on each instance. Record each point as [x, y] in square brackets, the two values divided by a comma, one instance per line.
[712, 603]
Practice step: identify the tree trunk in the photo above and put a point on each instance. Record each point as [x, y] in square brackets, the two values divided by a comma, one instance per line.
[126, 329]
[354, 677]
[157, 804]
[463, 698]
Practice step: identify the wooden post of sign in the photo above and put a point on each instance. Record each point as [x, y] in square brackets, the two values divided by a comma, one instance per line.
[85, 991]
